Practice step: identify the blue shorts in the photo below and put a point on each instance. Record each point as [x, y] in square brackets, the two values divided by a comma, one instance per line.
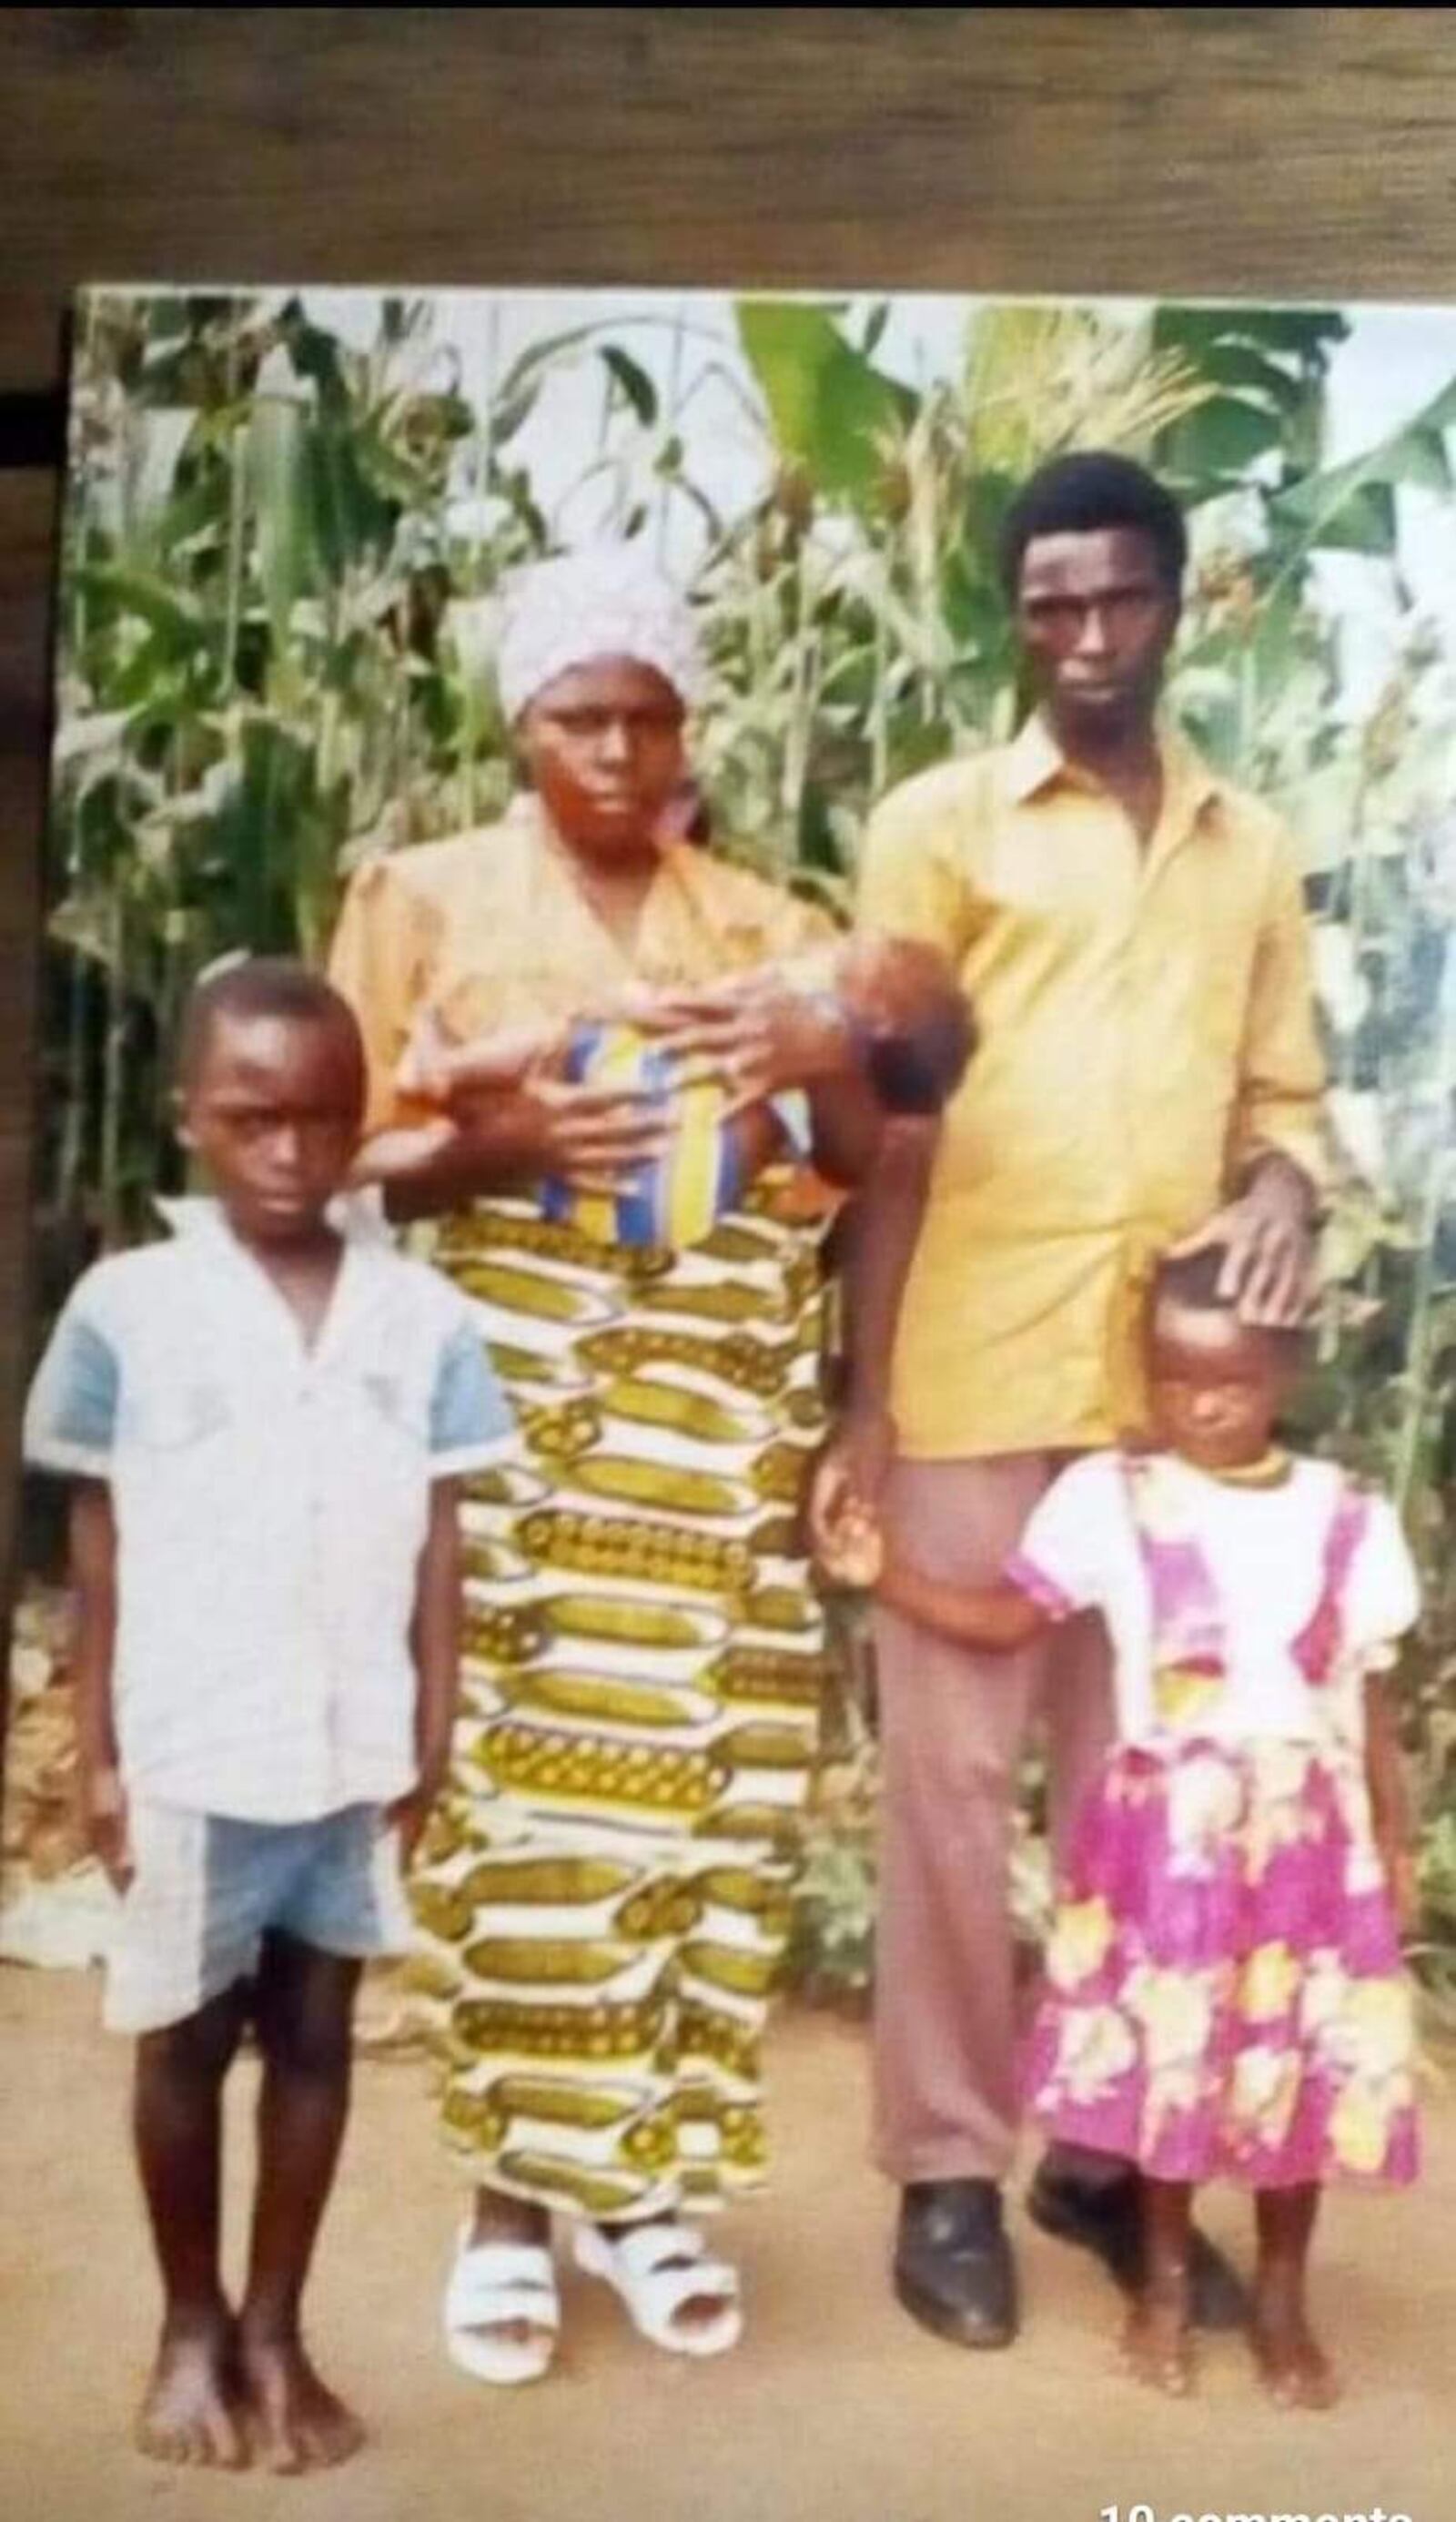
[206, 1890]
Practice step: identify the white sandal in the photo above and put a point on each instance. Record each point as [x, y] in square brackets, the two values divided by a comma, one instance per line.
[492, 2284]
[657, 2268]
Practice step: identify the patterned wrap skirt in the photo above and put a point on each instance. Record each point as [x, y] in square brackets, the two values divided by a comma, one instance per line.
[604, 1890]
[1224, 1995]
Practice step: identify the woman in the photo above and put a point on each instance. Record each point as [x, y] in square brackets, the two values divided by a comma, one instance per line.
[606, 1887]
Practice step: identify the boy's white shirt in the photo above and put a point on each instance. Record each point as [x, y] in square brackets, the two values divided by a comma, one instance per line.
[271, 1502]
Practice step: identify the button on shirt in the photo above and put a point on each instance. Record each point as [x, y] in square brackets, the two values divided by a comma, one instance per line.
[271, 1501]
[1145, 1028]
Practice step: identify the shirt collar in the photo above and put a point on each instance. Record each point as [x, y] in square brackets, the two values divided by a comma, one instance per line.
[355, 1215]
[1035, 762]
[688, 886]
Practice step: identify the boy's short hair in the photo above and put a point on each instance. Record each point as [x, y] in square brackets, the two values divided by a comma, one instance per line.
[264, 985]
[1089, 493]
[1191, 1280]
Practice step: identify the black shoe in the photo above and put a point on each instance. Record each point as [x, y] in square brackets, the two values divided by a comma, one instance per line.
[954, 2270]
[1104, 2218]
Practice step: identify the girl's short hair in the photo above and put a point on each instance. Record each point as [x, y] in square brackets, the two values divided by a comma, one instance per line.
[1191, 1280]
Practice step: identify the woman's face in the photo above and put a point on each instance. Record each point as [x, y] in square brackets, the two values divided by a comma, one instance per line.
[603, 745]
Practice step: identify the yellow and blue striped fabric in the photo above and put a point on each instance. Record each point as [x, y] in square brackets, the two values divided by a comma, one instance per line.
[675, 1201]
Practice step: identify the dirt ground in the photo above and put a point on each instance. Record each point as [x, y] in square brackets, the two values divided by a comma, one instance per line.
[835, 2405]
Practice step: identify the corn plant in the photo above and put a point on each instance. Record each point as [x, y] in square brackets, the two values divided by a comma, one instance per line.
[277, 607]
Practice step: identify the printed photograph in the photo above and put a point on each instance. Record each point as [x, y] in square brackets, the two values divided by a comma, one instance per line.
[738, 1564]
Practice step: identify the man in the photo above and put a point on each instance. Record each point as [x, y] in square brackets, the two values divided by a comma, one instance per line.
[1129, 929]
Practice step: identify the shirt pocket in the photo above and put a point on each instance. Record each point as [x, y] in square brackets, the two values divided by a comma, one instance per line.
[176, 1419]
[391, 1408]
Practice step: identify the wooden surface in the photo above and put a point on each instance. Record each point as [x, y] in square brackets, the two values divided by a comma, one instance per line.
[1271, 153]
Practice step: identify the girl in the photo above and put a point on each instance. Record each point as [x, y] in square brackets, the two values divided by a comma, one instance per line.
[1224, 1995]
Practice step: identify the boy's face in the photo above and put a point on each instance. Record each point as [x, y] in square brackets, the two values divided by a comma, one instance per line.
[273, 1109]
[1216, 1386]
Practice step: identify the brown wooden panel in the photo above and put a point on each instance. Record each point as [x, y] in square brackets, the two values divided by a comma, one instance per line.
[1276, 151]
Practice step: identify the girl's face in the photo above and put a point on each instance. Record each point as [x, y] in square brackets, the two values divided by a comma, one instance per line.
[603, 745]
[1216, 1386]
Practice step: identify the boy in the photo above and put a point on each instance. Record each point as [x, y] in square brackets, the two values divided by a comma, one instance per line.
[266, 1419]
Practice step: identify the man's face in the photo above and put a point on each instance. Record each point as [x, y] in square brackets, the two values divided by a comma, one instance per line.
[604, 748]
[1097, 620]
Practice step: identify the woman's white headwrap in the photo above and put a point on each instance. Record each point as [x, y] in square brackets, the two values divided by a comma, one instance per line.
[607, 601]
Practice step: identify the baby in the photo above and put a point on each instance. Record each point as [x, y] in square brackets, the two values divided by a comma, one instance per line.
[888, 1005]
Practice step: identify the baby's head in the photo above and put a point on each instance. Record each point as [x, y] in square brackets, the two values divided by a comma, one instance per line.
[1216, 1385]
[270, 1092]
[914, 1020]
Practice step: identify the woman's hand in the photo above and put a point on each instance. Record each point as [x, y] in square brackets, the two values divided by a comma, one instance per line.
[585, 1136]
[759, 1038]
[589, 1137]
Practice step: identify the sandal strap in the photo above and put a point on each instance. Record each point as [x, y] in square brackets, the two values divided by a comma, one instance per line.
[494, 2282]
[663, 2254]
[672, 2288]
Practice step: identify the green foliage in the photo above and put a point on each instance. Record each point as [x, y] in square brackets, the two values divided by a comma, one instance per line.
[831, 410]
[275, 642]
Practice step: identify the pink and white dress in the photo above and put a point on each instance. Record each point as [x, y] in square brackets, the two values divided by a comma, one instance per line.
[1224, 1992]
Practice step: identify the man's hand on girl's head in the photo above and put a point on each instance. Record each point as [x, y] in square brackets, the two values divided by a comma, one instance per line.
[1268, 1242]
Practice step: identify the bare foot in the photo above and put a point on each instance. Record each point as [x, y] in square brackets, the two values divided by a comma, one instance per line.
[1293, 2365]
[1157, 2347]
[192, 2409]
[294, 2423]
